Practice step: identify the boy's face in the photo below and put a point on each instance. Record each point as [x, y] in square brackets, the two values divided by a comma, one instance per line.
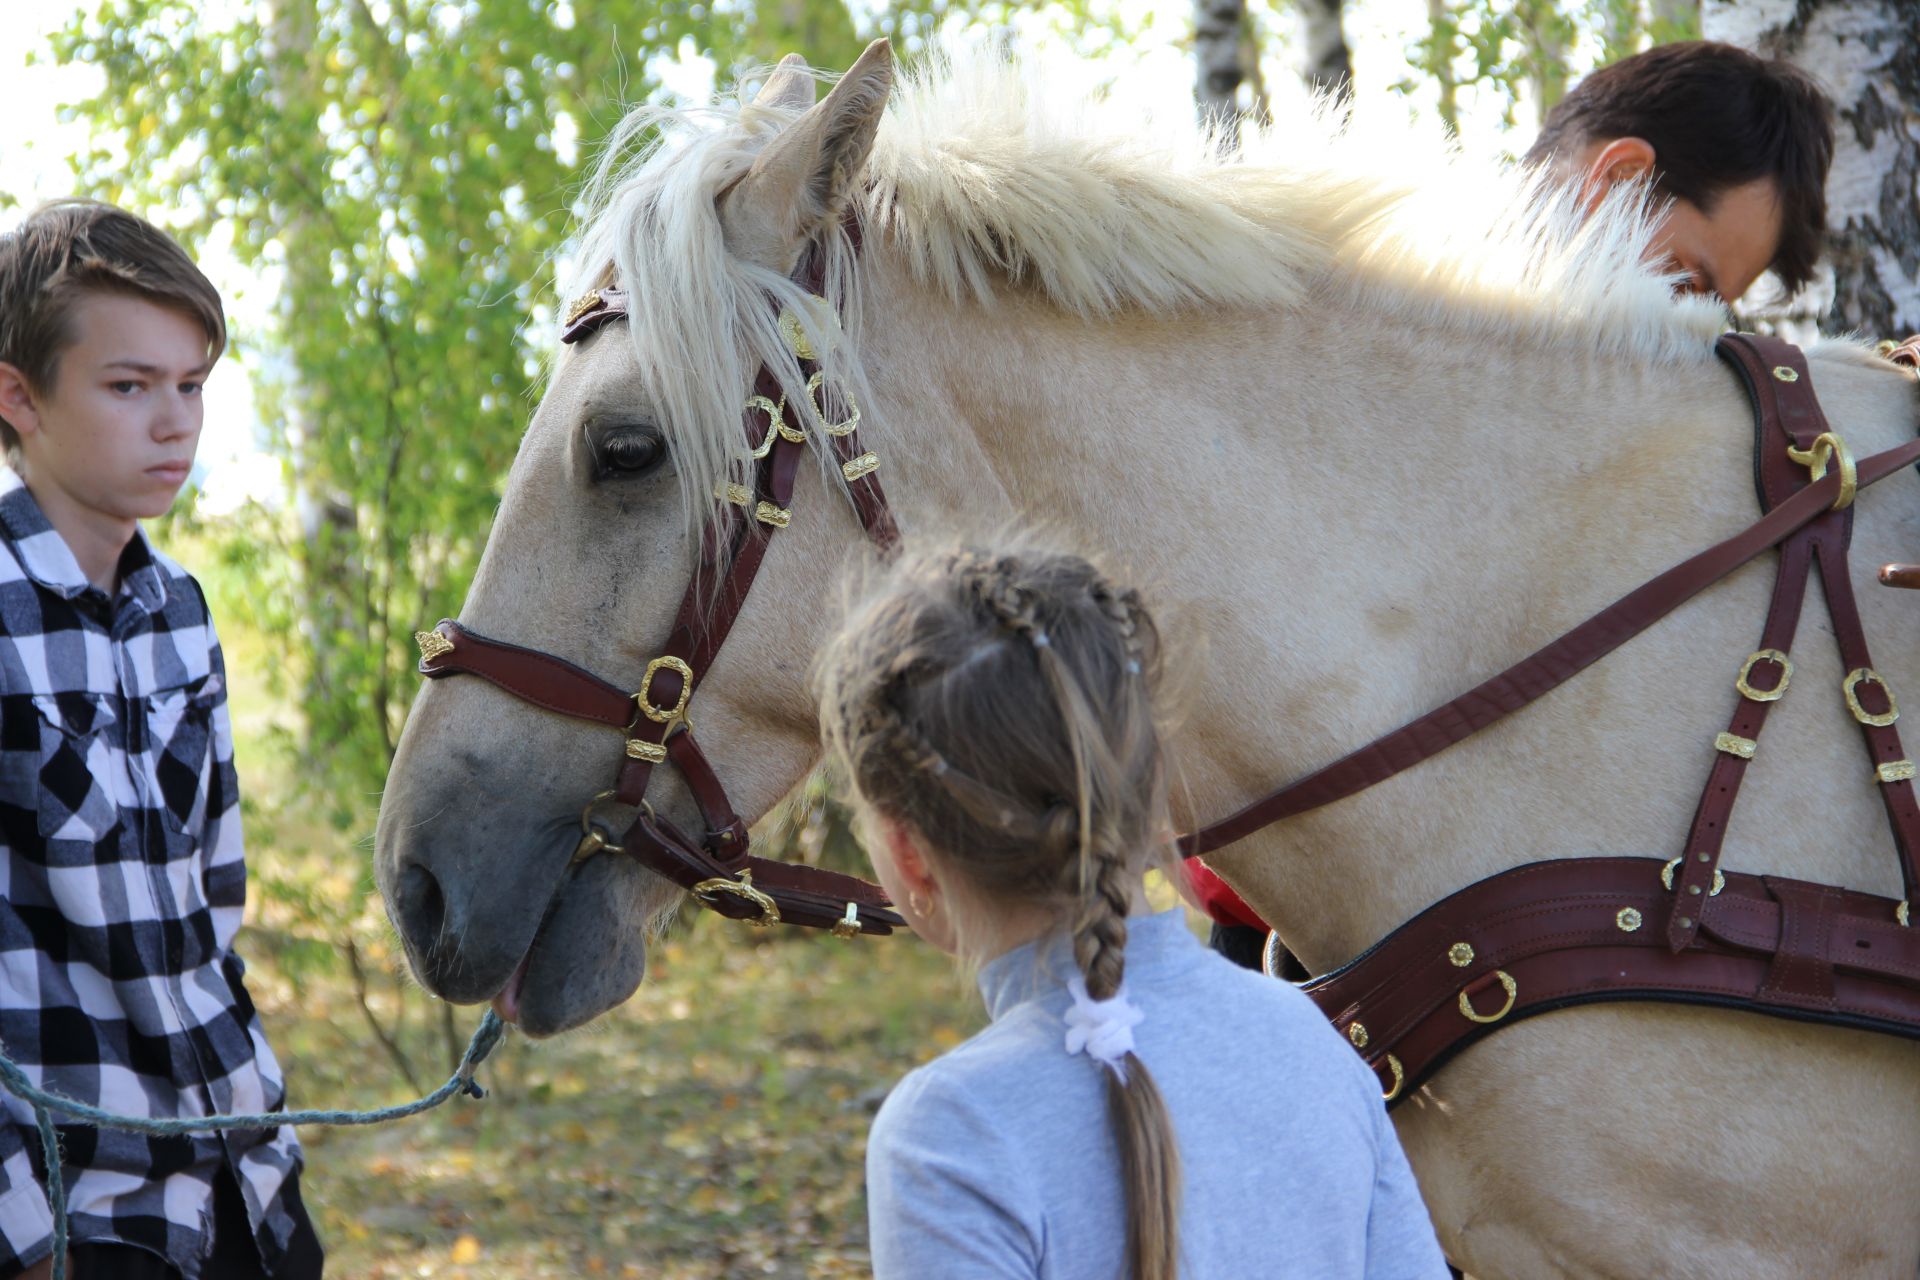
[116, 432]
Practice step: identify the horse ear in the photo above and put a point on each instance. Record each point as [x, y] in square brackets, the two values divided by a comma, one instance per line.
[803, 179]
[788, 88]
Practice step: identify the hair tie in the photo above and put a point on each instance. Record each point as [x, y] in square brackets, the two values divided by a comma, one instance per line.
[1042, 640]
[1102, 1029]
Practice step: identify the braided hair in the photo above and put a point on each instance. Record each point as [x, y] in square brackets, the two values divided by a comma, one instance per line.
[1000, 704]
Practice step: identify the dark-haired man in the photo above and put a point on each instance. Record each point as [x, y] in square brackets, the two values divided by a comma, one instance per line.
[1738, 145]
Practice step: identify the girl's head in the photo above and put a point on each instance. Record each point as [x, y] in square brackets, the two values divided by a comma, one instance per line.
[994, 712]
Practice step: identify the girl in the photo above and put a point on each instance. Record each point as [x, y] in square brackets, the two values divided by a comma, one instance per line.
[1138, 1106]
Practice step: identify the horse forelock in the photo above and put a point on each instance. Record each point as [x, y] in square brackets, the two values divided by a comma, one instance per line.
[990, 175]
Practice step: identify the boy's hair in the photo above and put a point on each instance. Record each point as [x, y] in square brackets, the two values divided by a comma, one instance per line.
[70, 248]
[1717, 117]
[1000, 704]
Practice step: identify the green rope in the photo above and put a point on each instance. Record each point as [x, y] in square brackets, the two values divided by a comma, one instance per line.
[486, 1038]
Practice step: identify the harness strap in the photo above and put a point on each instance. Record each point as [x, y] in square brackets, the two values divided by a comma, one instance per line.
[1547, 668]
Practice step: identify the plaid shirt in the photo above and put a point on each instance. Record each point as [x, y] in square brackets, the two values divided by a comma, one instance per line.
[120, 822]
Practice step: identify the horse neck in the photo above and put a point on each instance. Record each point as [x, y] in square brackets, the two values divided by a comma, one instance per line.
[1342, 520]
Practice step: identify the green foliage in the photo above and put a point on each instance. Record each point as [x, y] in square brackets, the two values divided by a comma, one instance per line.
[1531, 48]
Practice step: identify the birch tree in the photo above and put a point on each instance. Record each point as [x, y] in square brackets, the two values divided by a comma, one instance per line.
[1866, 54]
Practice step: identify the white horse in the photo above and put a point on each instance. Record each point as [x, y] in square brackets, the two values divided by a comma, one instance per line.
[1369, 434]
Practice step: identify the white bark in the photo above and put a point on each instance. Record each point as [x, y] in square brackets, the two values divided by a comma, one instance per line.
[1329, 65]
[1218, 27]
[1866, 54]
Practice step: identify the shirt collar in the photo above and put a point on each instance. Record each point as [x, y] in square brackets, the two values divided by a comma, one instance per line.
[49, 561]
[1154, 944]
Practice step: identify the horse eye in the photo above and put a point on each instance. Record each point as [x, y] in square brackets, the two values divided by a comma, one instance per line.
[628, 452]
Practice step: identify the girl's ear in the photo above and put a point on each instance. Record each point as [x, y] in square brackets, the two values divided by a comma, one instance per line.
[908, 854]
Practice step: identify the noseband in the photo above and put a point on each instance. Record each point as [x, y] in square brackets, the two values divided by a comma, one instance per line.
[717, 869]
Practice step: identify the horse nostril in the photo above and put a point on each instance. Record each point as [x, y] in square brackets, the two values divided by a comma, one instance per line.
[420, 907]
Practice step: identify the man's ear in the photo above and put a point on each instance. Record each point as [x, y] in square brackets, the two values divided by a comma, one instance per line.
[1619, 160]
[802, 181]
[18, 405]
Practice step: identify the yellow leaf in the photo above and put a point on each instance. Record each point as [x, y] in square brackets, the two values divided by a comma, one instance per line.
[465, 1250]
[148, 123]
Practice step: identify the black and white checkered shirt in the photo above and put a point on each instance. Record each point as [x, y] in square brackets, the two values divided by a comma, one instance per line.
[120, 825]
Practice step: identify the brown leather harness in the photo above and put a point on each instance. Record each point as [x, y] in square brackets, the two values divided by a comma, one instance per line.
[1547, 935]
[717, 869]
[1581, 930]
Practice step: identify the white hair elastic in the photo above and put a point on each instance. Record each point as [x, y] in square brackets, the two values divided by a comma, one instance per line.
[1102, 1029]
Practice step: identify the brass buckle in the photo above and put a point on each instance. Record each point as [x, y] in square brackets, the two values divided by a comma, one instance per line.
[1863, 675]
[678, 711]
[776, 421]
[1829, 445]
[1778, 691]
[846, 428]
[741, 888]
[1513, 991]
[1666, 878]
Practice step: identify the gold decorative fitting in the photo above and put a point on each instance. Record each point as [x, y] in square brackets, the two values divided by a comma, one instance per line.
[1784, 374]
[1867, 675]
[1399, 1078]
[1460, 954]
[592, 839]
[847, 428]
[1627, 918]
[1828, 445]
[651, 752]
[738, 494]
[1885, 347]
[580, 306]
[1357, 1032]
[432, 645]
[778, 517]
[1774, 694]
[1719, 877]
[794, 336]
[1513, 990]
[741, 888]
[1900, 913]
[678, 711]
[1735, 745]
[776, 422]
[864, 465]
[1895, 771]
[848, 925]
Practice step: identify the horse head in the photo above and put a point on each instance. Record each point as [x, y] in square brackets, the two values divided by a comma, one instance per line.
[597, 541]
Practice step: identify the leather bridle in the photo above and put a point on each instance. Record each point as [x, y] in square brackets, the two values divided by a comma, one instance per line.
[717, 868]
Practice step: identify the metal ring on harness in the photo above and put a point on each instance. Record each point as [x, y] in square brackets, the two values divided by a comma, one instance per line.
[1399, 1079]
[1829, 445]
[1513, 990]
[592, 839]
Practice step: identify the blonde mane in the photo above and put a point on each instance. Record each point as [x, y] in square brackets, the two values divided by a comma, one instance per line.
[990, 175]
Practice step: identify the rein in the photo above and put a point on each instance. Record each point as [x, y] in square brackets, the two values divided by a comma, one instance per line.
[1562, 659]
[717, 868]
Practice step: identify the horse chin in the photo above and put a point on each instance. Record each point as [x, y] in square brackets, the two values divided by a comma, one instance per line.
[590, 952]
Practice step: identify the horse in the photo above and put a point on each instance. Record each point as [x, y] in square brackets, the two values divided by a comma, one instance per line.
[1370, 424]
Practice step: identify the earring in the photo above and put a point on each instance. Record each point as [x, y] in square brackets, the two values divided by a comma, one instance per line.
[921, 906]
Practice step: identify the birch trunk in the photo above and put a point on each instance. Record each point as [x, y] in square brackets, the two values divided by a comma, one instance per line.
[1219, 31]
[1329, 65]
[1866, 53]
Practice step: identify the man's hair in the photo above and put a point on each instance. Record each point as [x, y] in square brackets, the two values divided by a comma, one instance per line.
[1717, 117]
[68, 249]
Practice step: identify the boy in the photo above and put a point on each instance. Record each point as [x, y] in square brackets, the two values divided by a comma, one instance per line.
[119, 809]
